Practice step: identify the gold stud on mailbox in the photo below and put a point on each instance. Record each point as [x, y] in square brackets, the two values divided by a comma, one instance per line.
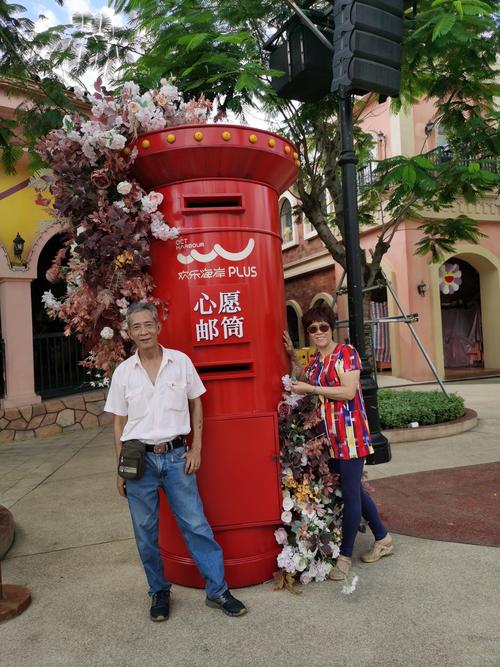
[226, 135]
[295, 156]
[288, 150]
[272, 143]
[146, 143]
[252, 138]
[198, 136]
[297, 162]
[126, 150]
[170, 138]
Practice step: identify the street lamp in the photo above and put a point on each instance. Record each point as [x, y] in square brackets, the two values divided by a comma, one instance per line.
[18, 245]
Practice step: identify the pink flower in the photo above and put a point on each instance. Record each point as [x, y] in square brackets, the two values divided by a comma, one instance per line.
[100, 178]
[284, 409]
[305, 578]
[281, 536]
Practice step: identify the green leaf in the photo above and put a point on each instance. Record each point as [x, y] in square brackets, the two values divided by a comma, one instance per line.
[409, 176]
[443, 26]
[423, 162]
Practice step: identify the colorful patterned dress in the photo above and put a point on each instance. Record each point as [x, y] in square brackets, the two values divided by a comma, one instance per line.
[345, 422]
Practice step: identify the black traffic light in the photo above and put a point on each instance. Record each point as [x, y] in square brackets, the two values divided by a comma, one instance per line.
[367, 46]
[304, 59]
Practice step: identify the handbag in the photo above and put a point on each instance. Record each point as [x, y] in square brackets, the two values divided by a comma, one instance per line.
[132, 460]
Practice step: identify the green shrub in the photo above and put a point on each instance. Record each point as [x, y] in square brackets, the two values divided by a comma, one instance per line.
[399, 408]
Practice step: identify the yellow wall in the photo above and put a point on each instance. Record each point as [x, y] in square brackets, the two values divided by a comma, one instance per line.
[19, 213]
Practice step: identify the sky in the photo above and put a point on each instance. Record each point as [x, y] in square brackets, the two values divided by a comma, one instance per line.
[56, 15]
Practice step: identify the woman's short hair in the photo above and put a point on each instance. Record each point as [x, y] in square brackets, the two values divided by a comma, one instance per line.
[320, 313]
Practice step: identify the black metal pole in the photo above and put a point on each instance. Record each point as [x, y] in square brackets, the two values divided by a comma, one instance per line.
[347, 161]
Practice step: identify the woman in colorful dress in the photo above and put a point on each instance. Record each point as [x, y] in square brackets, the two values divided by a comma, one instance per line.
[333, 374]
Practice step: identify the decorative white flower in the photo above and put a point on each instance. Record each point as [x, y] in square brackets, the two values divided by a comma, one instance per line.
[287, 382]
[107, 333]
[287, 503]
[49, 301]
[285, 559]
[300, 562]
[122, 206]
[286, 517]
[350, 586]
[123, 304]
[133, 107]
[151, 201]
[319, 570]
[163, 232]
[131, 88]
[124, 187]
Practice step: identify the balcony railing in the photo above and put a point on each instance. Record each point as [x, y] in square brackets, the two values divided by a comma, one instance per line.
[366, 173]
[57, 371]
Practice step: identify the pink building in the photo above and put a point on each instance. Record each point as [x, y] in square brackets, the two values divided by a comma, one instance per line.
[459, 330]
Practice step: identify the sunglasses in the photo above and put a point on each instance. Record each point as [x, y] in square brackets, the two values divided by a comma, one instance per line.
[314, 328]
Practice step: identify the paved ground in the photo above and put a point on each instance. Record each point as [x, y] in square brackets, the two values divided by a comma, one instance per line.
[433, 603]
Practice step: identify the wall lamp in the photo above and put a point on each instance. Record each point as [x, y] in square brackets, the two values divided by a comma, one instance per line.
[422, 288]
[18, 244]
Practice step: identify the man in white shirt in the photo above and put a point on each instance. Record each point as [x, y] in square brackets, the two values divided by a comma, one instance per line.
[155, 398]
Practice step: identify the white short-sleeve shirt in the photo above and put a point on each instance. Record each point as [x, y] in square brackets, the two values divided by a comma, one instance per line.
[156, 412]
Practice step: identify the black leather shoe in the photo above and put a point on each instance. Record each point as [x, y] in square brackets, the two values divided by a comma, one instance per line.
[160, 606]
[229, 604]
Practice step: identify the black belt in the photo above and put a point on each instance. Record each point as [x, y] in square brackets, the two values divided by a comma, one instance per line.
[160, 447]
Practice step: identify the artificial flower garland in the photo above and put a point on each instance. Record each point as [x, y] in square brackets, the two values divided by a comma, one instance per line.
[106, 215]
[312, 501]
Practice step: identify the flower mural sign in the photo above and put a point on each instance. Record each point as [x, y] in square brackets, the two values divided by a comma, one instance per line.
[450, 278]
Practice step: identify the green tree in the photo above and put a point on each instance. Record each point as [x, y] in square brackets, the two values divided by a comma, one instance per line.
[42, 68]
[217, 48]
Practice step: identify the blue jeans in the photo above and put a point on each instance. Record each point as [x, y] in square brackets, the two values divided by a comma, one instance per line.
[357, 502]
[167, 471]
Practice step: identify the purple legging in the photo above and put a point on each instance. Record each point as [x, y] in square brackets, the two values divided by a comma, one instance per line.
[357, 502]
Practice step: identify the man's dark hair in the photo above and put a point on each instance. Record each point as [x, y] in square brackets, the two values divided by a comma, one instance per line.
[320, 313]
[139, 307]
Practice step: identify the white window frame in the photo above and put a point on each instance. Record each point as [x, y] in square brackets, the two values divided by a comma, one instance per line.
[294, 241]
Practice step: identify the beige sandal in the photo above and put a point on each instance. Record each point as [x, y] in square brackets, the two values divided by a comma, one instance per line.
[341, 569]
[378, 551]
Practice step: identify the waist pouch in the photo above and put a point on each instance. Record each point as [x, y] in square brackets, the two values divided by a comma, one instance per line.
[132, 459]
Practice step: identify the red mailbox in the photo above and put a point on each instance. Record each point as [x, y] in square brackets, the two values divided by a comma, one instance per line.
[223, 281]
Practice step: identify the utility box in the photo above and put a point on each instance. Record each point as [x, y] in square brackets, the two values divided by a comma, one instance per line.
[222, 279]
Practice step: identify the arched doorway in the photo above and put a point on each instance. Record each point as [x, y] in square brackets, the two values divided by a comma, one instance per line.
[56, 356]
[380, 330]
[461, 316]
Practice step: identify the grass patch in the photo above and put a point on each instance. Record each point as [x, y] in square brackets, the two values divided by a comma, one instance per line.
[399, 408]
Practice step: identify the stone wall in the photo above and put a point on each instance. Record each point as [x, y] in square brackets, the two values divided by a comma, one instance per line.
[59, 415]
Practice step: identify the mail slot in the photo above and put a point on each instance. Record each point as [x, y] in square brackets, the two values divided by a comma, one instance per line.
[222, 279]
